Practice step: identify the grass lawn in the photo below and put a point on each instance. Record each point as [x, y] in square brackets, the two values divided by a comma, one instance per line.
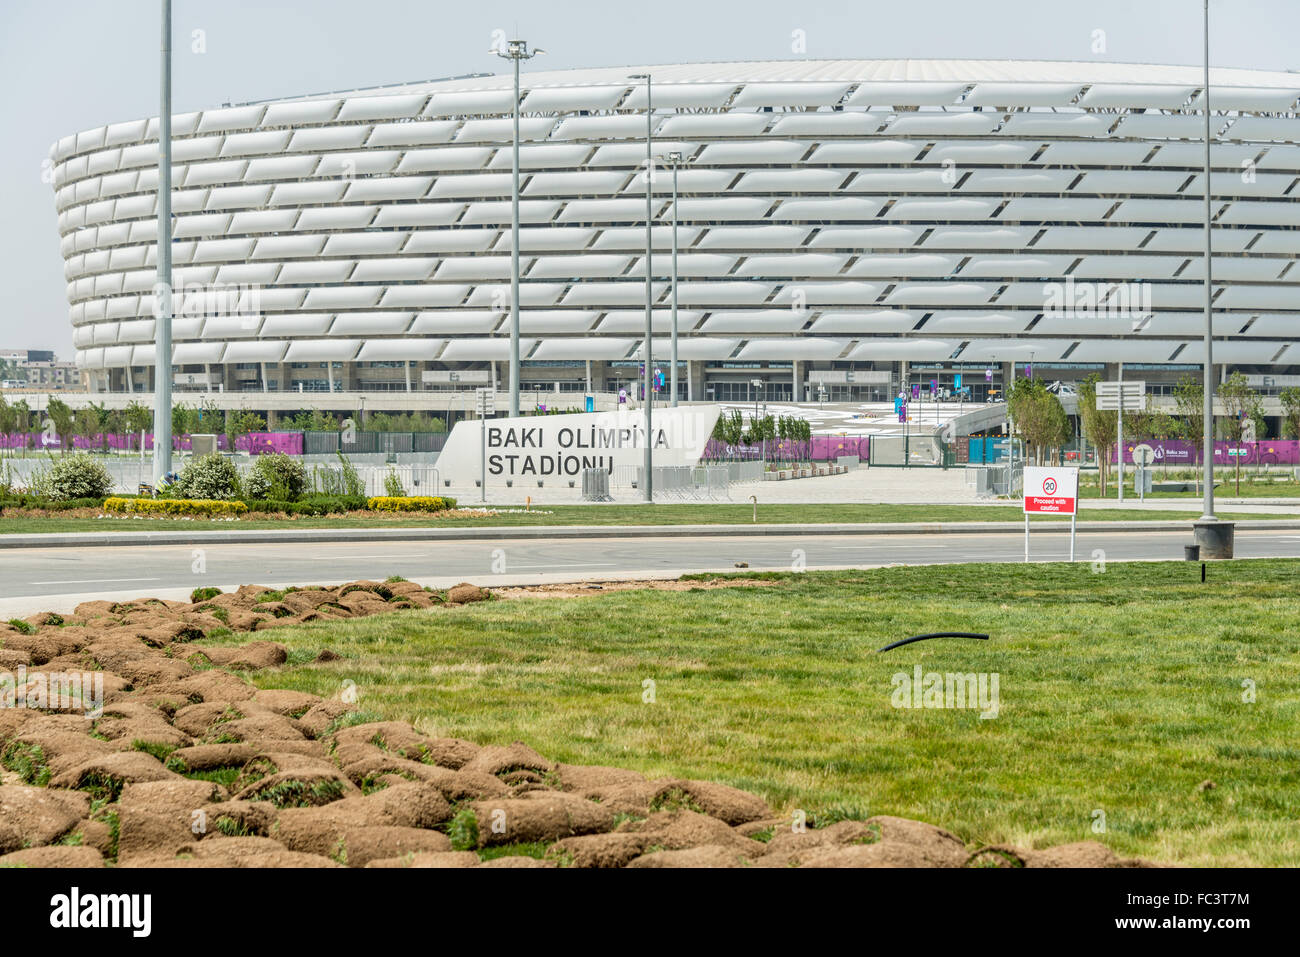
[1226, 487]
[712, 514]
[1120, 692]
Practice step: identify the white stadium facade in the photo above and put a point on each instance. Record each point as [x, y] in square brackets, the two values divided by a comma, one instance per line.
[845, 227]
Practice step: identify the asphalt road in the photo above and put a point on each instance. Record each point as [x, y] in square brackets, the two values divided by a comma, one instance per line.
[167, 571]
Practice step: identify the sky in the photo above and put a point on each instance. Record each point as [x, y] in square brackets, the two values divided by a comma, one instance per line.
[79, 64]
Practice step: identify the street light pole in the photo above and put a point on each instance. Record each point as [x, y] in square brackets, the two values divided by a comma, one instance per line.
[515, 50]
[162, 360]
[1207, 437]
[648, 371]
[675, 161]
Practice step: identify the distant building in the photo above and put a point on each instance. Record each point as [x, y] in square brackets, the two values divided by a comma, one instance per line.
[40, 369]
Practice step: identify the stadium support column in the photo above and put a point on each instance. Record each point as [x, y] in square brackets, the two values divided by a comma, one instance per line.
[648, 351]
[162, 386]
[794, 380]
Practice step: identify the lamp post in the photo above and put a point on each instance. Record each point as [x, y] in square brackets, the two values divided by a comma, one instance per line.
[1207, 438]
[515, 50]
[648, 371]
[674, 161]
[162, 360]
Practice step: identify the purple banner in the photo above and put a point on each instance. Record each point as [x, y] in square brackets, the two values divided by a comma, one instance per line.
[255, 443]
[821, 448]
[1176, 452]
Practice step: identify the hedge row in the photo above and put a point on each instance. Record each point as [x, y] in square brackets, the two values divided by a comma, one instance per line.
[205, 508]
[48, 504]
[315, 505]
[411, 503]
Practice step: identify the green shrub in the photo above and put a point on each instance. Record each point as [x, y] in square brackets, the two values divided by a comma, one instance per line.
[76, 476]
[276, 477]
[175, 507]
[352, 484]
[211, 478]
[314, 505]
[415, 503]
[393, 486]
[203, 594]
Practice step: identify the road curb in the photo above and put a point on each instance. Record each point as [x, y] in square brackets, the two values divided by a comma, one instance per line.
[506, 533]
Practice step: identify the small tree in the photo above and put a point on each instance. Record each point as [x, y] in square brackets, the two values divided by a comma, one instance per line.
[138, 418]
[1099, 427]
[1242, 404]
[1290, 398]
[61, 416]
[239, 423]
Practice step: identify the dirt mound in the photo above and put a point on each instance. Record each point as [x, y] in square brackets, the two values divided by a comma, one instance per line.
[304, 782]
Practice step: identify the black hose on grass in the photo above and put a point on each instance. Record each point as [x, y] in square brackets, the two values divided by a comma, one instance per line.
[937, 634]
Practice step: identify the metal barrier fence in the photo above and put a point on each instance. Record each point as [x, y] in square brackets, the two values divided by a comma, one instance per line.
[992, 481]
[327, 443]
[595, 486]
[739, 472]
[415, 479]
[681, 482]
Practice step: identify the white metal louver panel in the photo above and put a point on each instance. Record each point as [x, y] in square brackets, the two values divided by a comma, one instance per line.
[695, 347]
[582, 183]
[795, 265]
[941, 293]
[1193, 240]
[721, 209]
[681, 96]
[897, 266]
[894, 181]
[471, 103]
[1249, 99]
[1012, 267]
[1243, 183]
[280, 167]
[537, 238]
[232, 118]
[628, 293]
[322, 350]
[335, 217]
[260, 143]
[1095, 153]
[942, 210]
[1015, 350]
[440, 158]
[1057, 124]
[288, 247]
[715, 293]
[790, 181]
[469, 185]
[497, 131]
[912, 350]
[370, 323]
[1101, 96]
[572, 99]
[801, 347]
[629, 237]
[212, 173]
[585, 265]
[1257, 297]
[1022, 94]
[1130, 182]
[300, 112]
[983, 153]
[394, 269]
[544, 156]
[1261, 213]
[629, 155]
[828, 124]
[483, 350]
[381, 107]
[548, 321]
[463, 268]
[1183, 126]
[759, 321]
[1157, 211]
[342, 297]
[582, 348]
[661, 320]
[838, 208]
[455, 322]
[766, 152]
[1238, 269]
[1020, 181]
[405, 349]
[360, 163]
[789, 94]
[910, 93]
[866, 237]
[752, 237]
[977, 323]
[714, 124]
[297, 324]
[415, 214]
[1262, 128]
[1045, 210]
[873, 322]
[1128, 267]
[364, 244]
[620, 126]
[944, 124]
[423, 133]
[317, 139]
[846, 293]
[424, 296]
[867, 152]
[494, 211]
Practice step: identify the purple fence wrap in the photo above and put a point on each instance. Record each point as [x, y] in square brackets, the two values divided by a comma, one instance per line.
[821, 448]
[1177, 452]
[256, 443]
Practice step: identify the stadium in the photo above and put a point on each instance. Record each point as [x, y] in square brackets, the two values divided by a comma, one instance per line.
[846, 228]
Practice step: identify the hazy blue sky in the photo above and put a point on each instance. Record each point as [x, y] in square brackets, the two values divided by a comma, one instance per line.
[77, 64]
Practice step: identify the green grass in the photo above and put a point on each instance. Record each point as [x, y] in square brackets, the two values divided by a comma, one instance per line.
[1120, 691]
[711, 514]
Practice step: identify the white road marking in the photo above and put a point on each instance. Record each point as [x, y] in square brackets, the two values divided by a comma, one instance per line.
[573, 565]
[96, 581]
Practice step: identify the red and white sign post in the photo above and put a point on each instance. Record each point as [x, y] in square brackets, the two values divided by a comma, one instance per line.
[1051, 491]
